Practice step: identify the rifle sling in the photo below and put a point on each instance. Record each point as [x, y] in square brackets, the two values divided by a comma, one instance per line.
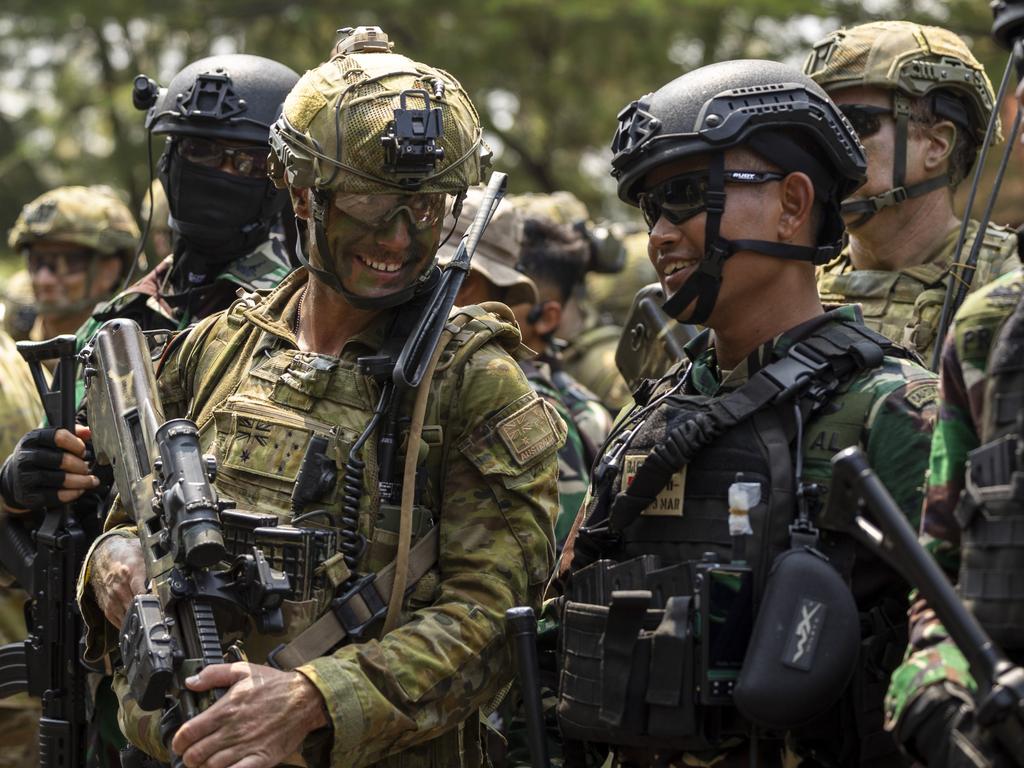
[327, 632]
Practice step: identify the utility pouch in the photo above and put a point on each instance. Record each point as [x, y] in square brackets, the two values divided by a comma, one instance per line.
[804, 646]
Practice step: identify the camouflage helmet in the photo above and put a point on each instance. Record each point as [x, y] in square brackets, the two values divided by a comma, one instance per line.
[913, 59]
[370, 121]
[93, 217]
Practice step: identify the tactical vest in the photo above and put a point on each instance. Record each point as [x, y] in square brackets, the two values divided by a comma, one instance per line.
[905, 306]
[630, 667]
[991, 509]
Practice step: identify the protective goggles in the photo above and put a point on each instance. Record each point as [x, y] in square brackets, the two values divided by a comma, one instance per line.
[61, 264]
[683, 197]
[866, 119]
[247, 161]
[425, 210]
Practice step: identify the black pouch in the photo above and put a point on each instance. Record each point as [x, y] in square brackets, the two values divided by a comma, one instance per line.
[804, 646]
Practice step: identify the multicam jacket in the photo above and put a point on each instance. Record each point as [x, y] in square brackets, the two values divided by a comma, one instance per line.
[906, 305]
[888, 412]
[409, 698]
[931, 657]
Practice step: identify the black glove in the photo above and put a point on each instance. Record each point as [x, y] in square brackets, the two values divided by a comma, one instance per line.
[31, 476]
[940, 731]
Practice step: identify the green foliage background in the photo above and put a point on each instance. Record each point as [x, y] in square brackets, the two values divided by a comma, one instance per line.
[548, 76]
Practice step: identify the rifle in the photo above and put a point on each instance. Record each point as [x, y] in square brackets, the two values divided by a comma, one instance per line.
[165, 486]
[46, 563]
[651, 341]
[998, 703]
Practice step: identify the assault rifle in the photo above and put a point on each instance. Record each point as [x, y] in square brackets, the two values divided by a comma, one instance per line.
[46, 564]
[999, 703]
[164, 483]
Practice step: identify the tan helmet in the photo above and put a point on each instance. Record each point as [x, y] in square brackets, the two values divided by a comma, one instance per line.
[913, 59]
[93, 217]
[369, 121]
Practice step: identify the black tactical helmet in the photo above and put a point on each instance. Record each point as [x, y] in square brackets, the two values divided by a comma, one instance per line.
[1008, 22]
[235, 97]
[772, 109]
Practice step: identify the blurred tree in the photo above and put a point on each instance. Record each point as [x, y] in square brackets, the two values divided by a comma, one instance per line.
[548, 78]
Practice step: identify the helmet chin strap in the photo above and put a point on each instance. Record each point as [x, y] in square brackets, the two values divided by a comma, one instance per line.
[318, 203]
[869, 206]
[706, 281]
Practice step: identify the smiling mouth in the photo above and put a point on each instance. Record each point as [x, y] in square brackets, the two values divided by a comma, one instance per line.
[381, 266]
[677, 265]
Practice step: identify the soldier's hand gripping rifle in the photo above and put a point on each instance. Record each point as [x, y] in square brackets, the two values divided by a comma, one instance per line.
[999, 704]
[46, 663]
[164, 483]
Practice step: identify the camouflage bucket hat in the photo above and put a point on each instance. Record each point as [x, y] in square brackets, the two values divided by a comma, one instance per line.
[498, 251]
[343, 126]
[913, 59]
[93, 217]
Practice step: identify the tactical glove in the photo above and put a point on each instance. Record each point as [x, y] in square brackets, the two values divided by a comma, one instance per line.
[31, 476]
[940, 731]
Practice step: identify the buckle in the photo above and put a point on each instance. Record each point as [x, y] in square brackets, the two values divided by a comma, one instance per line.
[356, 618]
[793, 371]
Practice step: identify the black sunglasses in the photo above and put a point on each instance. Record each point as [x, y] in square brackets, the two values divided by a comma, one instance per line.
[866, 119]
[247, 161]
[683, 197]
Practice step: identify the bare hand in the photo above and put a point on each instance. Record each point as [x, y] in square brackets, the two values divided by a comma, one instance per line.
[47, 467]
[260, 721]
[118, 574]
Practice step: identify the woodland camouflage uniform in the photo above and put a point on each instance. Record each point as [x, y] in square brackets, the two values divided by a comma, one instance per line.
[932, 658]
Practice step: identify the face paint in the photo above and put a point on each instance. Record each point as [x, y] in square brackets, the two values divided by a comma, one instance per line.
[375, 262]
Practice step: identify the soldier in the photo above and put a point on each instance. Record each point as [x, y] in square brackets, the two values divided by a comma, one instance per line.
[497, 274]
[78, 243]
[920, 102]
[930, 694]
[20, 410]
[279, 367]
[709, 484]
[156, 215]
[225, 215]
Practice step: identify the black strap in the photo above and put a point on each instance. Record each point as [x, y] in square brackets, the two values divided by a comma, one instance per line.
[666, 685]
[813, 368]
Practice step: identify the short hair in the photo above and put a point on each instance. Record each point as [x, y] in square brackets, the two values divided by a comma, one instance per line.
[965, 148]
[555, 256]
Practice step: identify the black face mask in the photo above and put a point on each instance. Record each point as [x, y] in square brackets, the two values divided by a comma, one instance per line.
[218, 217]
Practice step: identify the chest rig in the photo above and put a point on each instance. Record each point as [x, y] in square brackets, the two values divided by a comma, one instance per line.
[991, 509]
[905, 305]
[283, 425]
[694, 502]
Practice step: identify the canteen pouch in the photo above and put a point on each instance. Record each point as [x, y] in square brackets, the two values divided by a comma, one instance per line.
[804, 646]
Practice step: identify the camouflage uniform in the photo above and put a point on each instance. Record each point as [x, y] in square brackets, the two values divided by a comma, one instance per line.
[906, 305]
[257, 400]
[914, 63]
[888, 412]
[932, 659]
[20, 411]
[19, 310]
[488, 455]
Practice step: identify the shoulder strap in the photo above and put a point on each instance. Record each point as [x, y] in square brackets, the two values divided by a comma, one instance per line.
[1004, 390]
[812, 369]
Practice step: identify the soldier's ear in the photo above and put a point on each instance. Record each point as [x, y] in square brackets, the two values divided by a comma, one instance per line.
[300, 202]
[941, 139]
[796, 199]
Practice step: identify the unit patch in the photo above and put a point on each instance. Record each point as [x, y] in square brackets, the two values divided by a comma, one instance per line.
[922, 394]
[670, 501]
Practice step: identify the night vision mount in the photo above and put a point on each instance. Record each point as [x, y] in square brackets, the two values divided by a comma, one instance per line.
[410, 140]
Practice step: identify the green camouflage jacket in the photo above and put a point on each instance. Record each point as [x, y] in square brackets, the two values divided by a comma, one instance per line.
[410, 698]
[931, 657]
[887, 411]
[906, 305]
[590, 359]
